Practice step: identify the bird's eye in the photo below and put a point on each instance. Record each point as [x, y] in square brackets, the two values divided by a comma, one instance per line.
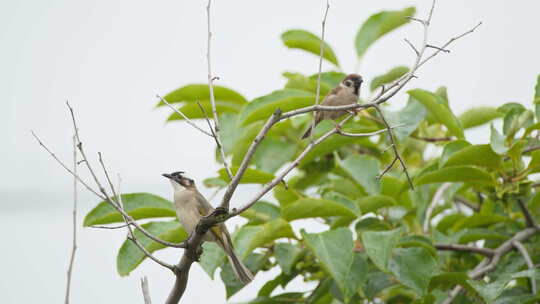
[348, 83]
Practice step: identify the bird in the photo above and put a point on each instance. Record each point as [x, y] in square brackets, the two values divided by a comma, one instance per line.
[190, 207]
[346, 93]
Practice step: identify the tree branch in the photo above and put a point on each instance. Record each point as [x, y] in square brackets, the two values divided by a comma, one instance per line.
[463, 248]
[519, 246]
[211, 79]
[74, 244]
[189, 121]
[145, 290]
[321, 53]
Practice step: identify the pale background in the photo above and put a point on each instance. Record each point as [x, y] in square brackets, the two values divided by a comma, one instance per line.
[110, 58]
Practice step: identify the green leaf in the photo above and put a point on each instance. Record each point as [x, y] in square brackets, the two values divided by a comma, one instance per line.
[493, 290]
[269, 232]
[211, 258]
[374, 202]
[300, 82]
[138, 205]
[497, 141]
[273, 153]
[130, 256]
[450, 148]
[285, 196]
[478, 155]
[364, 170]
[193, 111]
[261, 212]
[388, 77]
[379, 246]
[350, 269]
[409, 117]
[311, 207]
[436, 106]
[332, 79]
[448, 280]
[413, 267]
[479, 220]
[537, 87]
[379, 25]
[376, 282]
[251, 176]
[534, 164]
[478, 116]
[304, 40]
[287, 255]
[457, 174]
[264, 106]
[200, 92]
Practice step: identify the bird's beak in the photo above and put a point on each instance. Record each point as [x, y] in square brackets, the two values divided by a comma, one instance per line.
[167, 175]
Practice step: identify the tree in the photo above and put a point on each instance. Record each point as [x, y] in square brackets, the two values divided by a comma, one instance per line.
[401, 227]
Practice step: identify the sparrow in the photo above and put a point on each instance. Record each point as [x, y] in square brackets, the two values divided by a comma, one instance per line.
[346, 93]
[190, 207]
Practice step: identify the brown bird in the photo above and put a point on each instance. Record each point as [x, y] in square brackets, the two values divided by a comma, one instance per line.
[191, 206]
[346, 93]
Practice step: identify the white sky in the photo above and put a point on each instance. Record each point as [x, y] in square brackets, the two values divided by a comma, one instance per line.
[110, 58]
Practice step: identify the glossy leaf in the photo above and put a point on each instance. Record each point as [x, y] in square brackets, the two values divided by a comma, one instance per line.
[251, 176]
[332, 78]
[450, 148]
[364, 170]
[478, 116]
[408, 118]
[287, 255]
[304, 40]
[193, 111]
[388, 77]
[269, 232]
[350, 270]
[379, 25]
[379, 246]
[478, 155]
[435, 105]
[374, 202]
[130, 256]
[200, 92]
[211, 258]
[311, 207]
[138, 205]
[300, 82]
[273, 153]
[413, 267]
[285, 196]
[457, 174]
[261, 212]
[254, 262]
[285, 100]
[497, 141]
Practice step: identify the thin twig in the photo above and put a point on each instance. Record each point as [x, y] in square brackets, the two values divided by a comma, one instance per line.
[432, 139]
[145, 290]
[321, 53]
[436, 198]
[211, 79]
[110, 227]
[394, 148]
[412, 46]
[519, 246]
[74, 244]
[189, 121]
[463, 248]
[529, 219]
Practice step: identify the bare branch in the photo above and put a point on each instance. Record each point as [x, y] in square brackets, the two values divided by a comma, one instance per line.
[488, 265]
[437, 48]
[145, 290]
[470, 205]
[529, 219]
[211, 79]
[434, 201]
[189, 121]
[394, 148]
[289, 168]
[412, 46]
[432, 139]
[74, 245]
[519, 246]
[463, 248]
[321, 53]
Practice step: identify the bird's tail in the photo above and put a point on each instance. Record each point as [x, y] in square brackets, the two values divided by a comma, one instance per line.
[240, 270]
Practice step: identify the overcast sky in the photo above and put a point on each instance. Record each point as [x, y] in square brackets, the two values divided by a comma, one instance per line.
[110, 59]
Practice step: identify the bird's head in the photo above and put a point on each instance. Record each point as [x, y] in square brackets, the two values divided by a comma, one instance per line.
[179, 181]
[353, 81]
